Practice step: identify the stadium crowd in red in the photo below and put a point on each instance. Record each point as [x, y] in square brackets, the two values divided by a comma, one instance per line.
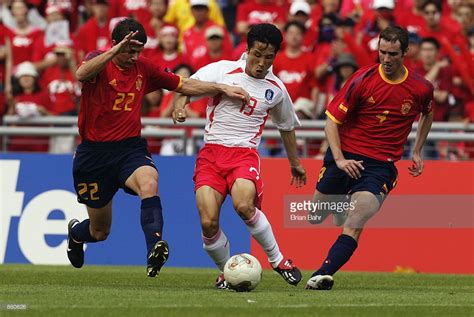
[41, 42]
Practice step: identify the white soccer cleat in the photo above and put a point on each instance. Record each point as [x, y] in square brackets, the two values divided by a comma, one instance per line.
[320, 282]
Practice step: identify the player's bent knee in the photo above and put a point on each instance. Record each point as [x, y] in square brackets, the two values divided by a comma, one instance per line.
[245, 210]
[100, 235]
[148, 187]
[209, 227]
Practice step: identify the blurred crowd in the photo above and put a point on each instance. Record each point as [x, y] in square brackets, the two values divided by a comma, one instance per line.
[325, 41]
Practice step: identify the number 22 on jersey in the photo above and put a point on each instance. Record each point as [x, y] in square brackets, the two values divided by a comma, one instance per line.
[123, 101]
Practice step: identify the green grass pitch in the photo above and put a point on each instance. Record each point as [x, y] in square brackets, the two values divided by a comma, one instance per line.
[126, 291]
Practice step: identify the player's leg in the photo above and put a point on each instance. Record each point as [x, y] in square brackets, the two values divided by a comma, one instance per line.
[365, 205]
[215, 242]
[144, 182]
[243, 197]
[332, 186]
[95, 228]
[95, 186]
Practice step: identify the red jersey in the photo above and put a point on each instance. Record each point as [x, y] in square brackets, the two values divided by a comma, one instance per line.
[207, 59]
[443, 82]
[262, 13]
[22, 45]
[195, 41]
[63, 89]
[166, 61]
[376, 114]
[296, 73]
[91, 36]
[111, 102]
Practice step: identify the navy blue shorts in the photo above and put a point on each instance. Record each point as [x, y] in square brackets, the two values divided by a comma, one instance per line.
[378, 177]
[101, 168]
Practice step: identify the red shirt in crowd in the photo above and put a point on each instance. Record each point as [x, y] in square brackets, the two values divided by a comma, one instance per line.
[166, 61]
[22, 45]
[444, 81]
[28, 143]
[296, 73]
[91, 36]
[62, 87]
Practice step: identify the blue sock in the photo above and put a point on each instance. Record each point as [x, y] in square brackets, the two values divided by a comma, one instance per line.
[340, 252]
[81, 232]
[152, 220]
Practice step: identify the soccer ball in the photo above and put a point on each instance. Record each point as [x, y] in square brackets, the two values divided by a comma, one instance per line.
[243, 272]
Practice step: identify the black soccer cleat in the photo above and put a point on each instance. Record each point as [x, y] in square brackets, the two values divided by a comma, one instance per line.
[75, 250]
[290, 273]
[320, 282]
[221, 283]
[157, 258]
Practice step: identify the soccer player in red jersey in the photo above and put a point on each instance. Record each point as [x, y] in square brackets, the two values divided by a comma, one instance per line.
[112, 154]
[368, 124]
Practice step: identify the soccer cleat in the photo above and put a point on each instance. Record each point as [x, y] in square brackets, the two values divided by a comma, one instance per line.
[157, 258]
[289, 272]
[320, 282]
[221, 283]
[75, 250]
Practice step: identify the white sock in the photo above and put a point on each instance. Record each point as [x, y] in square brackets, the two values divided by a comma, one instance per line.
[261, 230]
[218, 248]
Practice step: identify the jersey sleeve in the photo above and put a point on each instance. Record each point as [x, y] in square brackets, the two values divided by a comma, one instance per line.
[210, 73]
[283, 114]
[86, 58]
[345, 100]
[158, 78]
[427, 105]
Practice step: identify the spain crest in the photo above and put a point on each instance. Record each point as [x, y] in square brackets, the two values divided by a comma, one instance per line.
[406, 106]
[138, 82]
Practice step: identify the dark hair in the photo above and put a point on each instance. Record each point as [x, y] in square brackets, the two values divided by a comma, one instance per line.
[264, 33]
[431, 40]
[395, 33]
[18, 90]
[299, 25]
[185, 66]
[435, 3]
[126, 26]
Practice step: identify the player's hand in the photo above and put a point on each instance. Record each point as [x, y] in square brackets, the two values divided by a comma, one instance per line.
[124, 45]
[351, 167]
[298, 176]
[417, 167]
[236, 93]
[178, 115]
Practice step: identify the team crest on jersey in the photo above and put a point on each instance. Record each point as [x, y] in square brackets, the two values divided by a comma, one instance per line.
[138, 82]
[406, 106]
[269, 94]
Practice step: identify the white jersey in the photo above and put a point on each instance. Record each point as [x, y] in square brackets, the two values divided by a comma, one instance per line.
[229, 121]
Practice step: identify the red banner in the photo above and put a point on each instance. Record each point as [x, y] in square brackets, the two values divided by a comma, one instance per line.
[433, 250]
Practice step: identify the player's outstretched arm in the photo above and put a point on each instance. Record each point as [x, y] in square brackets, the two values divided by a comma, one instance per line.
[298, 173]
[424, 127]
[179, 103]
[350, 167]
[194, 87]
[92, 67]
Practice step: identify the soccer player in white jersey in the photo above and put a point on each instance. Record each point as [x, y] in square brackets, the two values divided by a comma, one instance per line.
[229, 162]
